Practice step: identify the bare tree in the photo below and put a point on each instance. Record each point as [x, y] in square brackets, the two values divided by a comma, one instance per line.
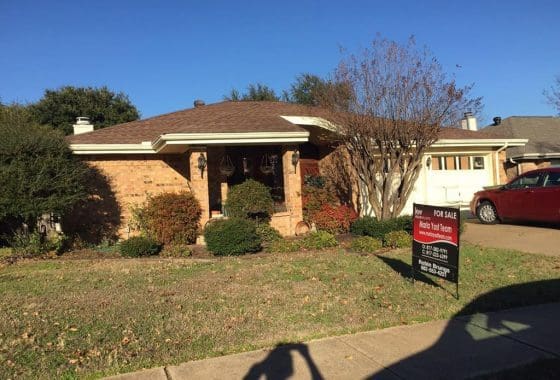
[553, 94]
[394, 101]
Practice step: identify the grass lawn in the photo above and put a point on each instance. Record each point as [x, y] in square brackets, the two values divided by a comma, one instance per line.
[93, 317]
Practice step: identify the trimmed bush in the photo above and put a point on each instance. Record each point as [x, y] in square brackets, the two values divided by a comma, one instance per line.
[365, 244]
[234, 236]
[398, 239]
[250, 199]
[176, 250]
[284, 246]
[369, 226]
[319, 240]
[334, 219]
[268, 233]
[139, 246]
[171, 218]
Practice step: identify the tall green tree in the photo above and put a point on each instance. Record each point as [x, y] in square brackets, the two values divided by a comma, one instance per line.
[312, 90]
[38, 173]
[255, 92]
[60, 108]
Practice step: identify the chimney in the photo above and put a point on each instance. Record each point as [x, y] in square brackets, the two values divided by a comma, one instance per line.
[198, 103]
[82, 126]
[468, 122]
[497, 120]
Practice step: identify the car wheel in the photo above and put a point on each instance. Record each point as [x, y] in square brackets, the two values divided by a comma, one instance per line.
[486, 213]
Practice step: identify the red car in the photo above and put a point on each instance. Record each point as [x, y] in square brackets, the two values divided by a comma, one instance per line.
[533, 196]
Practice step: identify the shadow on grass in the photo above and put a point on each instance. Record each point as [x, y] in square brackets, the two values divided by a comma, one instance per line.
[405, 270]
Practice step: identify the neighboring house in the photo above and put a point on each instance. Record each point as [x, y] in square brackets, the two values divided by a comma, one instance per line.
[209, 148]
[543, 148]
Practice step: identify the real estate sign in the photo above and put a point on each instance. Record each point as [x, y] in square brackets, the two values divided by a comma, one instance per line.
[435, 248]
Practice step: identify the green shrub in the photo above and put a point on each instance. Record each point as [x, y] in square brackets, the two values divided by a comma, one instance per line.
[233, 236]
[284, 246]
[319, 240]
[316, 181]
[370, 226]
[250, 199]
[268, 233]
[397, 239]
[139, 246]
[365, 244]
[170, 218]
[176, 250]
[27, 244]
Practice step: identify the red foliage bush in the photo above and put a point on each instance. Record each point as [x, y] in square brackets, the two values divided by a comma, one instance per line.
[172, 217]
[334, 219]
[313, 198]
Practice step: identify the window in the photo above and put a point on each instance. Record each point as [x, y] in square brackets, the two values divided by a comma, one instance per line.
[529, 180]
[462, 162]
[552, 179]
[478, 163]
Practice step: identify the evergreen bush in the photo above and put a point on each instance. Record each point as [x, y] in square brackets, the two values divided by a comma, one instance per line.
[250, 199]
[397, 239]
[319, 240]
[365, 244]
[234, 236]
[139, 246]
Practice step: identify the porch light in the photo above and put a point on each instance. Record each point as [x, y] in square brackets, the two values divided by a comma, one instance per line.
[201, 164]
[295, 159]
[428, 162]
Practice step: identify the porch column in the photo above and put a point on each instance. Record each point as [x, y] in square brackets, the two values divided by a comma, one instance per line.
[292, 187]
[199, 182]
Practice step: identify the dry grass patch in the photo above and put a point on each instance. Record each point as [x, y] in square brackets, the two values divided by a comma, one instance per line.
[88, 318]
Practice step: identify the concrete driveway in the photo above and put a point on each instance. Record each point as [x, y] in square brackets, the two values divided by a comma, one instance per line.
[524, 238]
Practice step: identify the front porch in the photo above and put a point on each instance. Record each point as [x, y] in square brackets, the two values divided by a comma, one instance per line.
[214, 169]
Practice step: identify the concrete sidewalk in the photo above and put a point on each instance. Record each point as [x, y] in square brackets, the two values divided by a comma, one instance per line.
[460, 348]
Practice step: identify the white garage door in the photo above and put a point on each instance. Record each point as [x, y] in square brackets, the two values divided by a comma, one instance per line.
[451, 180]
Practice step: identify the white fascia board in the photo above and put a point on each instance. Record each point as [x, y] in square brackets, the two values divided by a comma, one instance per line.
[479, 142]
[189, 139]
[230, 138]
[143, 148]
[311, 120]
[536, 155]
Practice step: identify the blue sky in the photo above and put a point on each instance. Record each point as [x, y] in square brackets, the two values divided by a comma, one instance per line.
[165, 54]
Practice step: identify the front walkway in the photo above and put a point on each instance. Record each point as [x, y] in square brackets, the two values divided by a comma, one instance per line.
[460, 348]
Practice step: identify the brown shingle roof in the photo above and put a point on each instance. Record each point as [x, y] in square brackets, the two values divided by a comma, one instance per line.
[458, 133]
[224, 117]
[543, 133]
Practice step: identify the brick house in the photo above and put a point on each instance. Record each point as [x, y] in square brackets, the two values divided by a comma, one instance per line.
[208, 148]
[542, 149]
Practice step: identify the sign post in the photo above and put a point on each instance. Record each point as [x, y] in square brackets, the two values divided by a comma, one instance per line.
[435, 245]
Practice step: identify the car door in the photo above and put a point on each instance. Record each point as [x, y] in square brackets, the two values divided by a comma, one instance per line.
[518, 199]
[548, 203]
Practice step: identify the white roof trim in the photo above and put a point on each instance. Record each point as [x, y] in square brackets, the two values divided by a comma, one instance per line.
[311, 120]
[479, 142]
[536, 155]
[188, 139]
